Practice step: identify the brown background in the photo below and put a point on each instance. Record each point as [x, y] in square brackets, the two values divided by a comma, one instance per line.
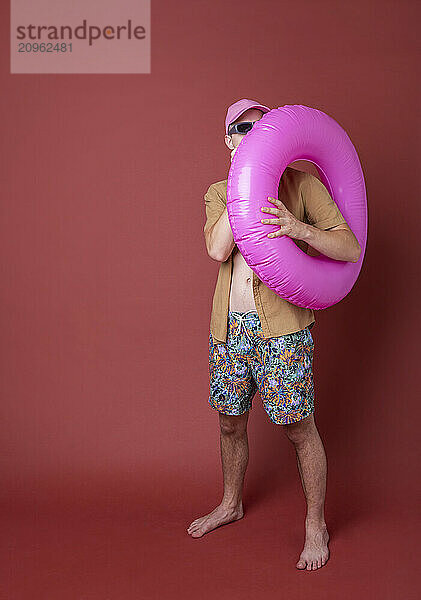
[108, 446]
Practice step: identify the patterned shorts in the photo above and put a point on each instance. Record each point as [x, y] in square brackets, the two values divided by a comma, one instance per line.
[280, 368]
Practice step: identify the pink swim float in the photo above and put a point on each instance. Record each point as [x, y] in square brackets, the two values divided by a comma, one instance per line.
[282, 136]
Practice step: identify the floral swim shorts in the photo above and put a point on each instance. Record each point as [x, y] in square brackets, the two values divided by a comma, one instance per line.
[280, 368]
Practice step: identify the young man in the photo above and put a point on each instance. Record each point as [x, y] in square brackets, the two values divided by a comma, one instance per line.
[259, 341]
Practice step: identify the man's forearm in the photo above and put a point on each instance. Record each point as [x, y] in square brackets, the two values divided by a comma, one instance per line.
[220, 241]
[339, 245]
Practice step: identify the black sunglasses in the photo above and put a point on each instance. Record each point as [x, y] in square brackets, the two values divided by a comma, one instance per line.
[241, 128]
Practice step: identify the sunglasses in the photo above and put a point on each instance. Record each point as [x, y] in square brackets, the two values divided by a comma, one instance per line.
[241, 128]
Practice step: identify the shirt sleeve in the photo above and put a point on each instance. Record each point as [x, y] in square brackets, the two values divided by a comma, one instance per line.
[214, 206]
[320, 209]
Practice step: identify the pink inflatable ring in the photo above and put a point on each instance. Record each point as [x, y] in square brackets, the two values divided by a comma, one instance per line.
[282, 136]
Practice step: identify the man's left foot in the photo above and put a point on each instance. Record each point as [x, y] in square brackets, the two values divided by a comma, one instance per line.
[315, 553]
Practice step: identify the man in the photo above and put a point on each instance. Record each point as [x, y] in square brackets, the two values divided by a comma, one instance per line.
[260, 341]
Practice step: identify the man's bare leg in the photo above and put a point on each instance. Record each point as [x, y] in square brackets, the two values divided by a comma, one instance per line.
[312, 466]
[234, 457]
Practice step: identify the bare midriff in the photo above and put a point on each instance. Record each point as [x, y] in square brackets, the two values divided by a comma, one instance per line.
[241, 289]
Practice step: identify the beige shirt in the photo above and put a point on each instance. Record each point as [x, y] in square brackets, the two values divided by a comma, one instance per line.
[308, 200]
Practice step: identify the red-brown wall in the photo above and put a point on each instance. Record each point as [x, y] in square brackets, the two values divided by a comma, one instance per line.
[106, 298]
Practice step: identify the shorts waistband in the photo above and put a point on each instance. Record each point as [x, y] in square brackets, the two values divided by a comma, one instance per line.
[241, 317]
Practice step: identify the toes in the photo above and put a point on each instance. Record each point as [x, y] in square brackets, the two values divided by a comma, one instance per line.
[312, 565]
[197, 533]
[195, 524]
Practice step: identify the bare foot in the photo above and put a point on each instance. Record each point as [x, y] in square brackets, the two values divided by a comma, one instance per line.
[315, 553]
[219, 516]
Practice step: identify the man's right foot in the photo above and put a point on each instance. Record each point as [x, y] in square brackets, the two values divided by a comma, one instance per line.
[221, 515]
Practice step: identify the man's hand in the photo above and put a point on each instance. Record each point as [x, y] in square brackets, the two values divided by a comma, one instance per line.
[339, 243]
[288, 224]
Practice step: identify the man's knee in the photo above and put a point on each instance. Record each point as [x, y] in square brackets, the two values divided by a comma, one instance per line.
[233, 424]
[300, 430]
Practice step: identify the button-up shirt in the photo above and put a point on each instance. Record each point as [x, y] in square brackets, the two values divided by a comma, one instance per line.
[305, 196]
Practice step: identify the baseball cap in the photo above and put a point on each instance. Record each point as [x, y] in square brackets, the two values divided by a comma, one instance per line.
[236, 110]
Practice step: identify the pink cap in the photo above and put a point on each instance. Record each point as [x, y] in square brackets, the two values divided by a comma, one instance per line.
[236, 110]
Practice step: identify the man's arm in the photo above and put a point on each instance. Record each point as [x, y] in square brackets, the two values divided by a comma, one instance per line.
[327, 231]
[323, 215]
[217, 230]
[337, 242]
